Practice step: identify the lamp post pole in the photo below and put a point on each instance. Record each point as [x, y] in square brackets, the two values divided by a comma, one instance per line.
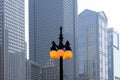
[61, 57]
[61, 52]
[61, 68]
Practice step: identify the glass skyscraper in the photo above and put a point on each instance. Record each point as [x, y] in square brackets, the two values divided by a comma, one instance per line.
[45, 19]
[113, 54]
[12, 40]
[91, 45]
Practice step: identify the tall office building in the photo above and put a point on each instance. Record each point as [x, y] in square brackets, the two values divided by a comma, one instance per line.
[45, 19]
[12, 40]
[92, 45]
[113, 54]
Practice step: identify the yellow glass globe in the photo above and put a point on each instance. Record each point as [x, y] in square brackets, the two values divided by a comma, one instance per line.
[60, 52]
[53, 54]
[67, 55]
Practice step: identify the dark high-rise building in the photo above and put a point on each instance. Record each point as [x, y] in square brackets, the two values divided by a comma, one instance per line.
[12, 40]
[91, 46]
[45, 19]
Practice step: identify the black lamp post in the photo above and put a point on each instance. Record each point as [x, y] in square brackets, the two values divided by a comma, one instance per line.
[61, 52]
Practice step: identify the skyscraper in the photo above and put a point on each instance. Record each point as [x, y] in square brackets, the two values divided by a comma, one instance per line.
[92, 45]
[113, 54]
[12, 40]
[45, 17]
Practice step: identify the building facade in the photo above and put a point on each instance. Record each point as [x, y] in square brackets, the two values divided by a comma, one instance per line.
[50, 71]
[91, 45]
[32, 70]
[113, 54]
[12, 40]
[45, 19]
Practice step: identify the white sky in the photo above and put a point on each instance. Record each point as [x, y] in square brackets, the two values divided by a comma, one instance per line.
[110, 7]
[26, 20]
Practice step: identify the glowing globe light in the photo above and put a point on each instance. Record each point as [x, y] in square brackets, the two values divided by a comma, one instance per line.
[53, 54]
[67, 55]
[60, 52]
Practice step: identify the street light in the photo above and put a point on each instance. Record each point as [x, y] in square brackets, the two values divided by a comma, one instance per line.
[61, 52]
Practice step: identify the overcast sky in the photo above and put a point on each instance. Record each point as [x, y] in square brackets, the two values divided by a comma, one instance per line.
[110, 7]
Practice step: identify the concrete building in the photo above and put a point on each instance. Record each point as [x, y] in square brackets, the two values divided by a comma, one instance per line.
[113, 54]
[50, 71]
[12, 40]
[45, 19]
[91, 45]
[32, 70]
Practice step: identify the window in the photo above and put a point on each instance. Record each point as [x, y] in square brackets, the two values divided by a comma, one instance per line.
[115, 40]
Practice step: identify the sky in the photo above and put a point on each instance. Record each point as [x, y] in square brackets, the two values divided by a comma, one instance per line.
[26, 20]
[110, 7]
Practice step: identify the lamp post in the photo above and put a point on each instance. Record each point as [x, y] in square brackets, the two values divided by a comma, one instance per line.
[61, 52]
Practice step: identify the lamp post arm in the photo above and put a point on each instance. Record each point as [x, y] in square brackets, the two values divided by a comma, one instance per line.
[67, 45]
[53, 46]
[53, 43]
